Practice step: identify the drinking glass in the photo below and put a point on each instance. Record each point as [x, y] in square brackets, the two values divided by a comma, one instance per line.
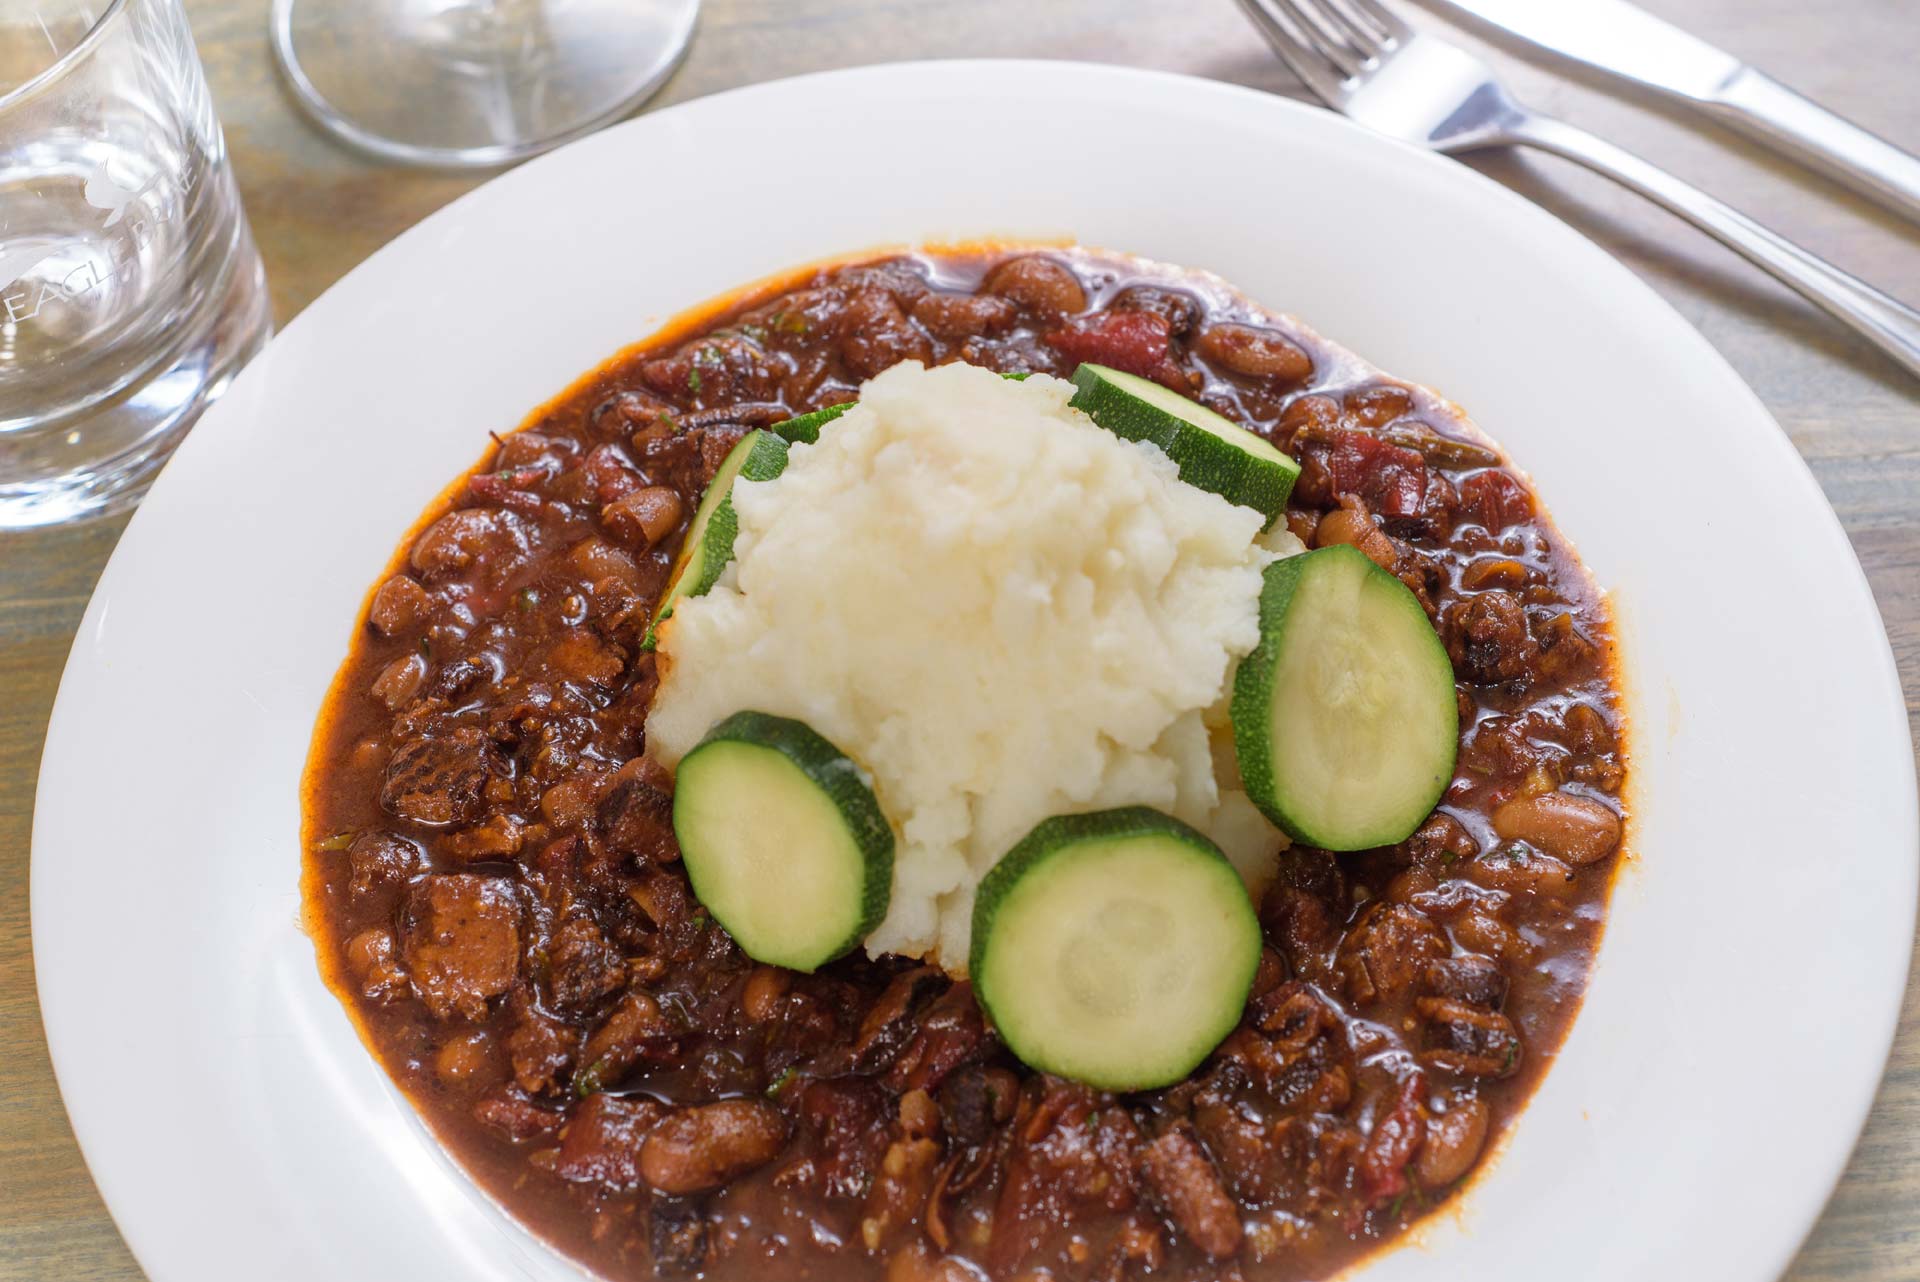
[471, 83]
[130, 289]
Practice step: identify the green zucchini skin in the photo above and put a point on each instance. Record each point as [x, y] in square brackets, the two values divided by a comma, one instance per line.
[1345, 720]
[1211, 451]
[759, 456]
[783, 841]
[1116, 948]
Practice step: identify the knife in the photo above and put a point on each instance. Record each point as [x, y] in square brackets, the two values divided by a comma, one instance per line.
[1626, 41]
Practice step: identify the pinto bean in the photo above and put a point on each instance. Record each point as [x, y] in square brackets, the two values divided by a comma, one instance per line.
[1578, 829]
[645, 517]
[1356, 529]
[1038, 284]
[399, 681]
[1253, 352]
[766, 988]
[400, 605]
[708, 1145]
[463, 1058]
[1453, 1143]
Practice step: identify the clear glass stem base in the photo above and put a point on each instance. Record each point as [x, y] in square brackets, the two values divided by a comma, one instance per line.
[474, 83]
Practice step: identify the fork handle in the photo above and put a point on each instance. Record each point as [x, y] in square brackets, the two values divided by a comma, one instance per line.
[1889, 324]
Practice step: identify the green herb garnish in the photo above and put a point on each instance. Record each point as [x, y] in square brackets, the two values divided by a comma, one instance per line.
[339, 841]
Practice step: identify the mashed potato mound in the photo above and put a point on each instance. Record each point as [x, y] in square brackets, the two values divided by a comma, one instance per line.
[999, 610]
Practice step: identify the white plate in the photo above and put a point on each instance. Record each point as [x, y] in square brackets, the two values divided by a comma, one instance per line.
[1746, 991]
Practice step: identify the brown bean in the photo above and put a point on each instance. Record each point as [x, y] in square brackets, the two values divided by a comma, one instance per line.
[645, 517]
[1253, 352]
[463, 1058]
[1577, 829]
[400, 605]
[1453, 1143]
[708, 1145]
[1378, 404]
[765, 990]
[1343, 525]
[399, 681]
[1521, 871]
[1038, 284]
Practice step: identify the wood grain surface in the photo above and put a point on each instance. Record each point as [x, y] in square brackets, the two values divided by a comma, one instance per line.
[318, 210]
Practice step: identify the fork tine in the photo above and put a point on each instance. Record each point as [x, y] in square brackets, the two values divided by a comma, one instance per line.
[1322, 35]
[1321, 77]
[1358, 34]
[1383, 17]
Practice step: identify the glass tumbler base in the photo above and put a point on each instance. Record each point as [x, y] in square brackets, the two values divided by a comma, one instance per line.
[54, 472]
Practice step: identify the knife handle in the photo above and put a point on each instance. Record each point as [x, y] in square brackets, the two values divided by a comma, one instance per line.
[1759, 106]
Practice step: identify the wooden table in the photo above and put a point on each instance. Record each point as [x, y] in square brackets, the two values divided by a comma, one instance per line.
[318, 210]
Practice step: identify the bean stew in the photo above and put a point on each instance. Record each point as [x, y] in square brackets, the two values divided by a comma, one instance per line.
[494, 888]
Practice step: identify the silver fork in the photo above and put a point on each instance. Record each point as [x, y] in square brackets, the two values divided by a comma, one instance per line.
[1367, 64]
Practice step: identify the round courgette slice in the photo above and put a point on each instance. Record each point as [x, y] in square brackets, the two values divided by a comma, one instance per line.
[1115, 948]
[1344, 717]
[1211, 451]
[783, 840]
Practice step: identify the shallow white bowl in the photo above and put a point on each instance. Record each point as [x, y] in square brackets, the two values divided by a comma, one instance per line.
[1746, 990]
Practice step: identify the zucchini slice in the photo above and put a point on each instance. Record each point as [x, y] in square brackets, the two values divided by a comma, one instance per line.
[1115, 948]
[1211, 451]
[1344, 717]
[758, 456]
[783, 840]
[804, 429]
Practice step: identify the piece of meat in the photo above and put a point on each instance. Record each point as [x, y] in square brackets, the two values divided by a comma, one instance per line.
[1132, 342]
[676, 1236]
[460, 938]
[1176, 1168]
[604, 1139]
[582, 967]
[1488, 640]
[540, 1048]
[1386, 950]
[1396, 1134]
[1469, 978]
[847, 1117]
[1494, 500]
[1467, 1039]
[889, 1023]
[439, 780]
[634, 1026]
[635, 817]
[879, 335]
[974, 1101]
[708, 1145]
[508, 1111]
[1342, 462]
[950, 1033]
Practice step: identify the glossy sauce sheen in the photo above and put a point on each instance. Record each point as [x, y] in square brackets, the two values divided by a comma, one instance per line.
[495, 892]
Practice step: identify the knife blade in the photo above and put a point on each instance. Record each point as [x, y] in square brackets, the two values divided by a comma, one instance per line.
[1628, 42]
